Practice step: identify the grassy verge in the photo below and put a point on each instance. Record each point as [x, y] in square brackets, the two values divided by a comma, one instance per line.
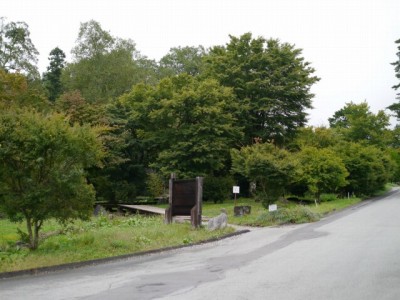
[288, 212]
[99, 238]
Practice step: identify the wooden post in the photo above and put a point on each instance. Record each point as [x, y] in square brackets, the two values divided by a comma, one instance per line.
[197, 209]
[168, 211]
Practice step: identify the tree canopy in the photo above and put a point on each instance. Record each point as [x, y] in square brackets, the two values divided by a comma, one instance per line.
[17, 52]
[271, 81]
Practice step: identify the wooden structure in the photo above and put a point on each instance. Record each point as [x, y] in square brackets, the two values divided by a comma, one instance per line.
[146, 209]
[185, 199]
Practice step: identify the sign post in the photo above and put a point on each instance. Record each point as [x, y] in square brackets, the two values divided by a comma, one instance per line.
[236, 190]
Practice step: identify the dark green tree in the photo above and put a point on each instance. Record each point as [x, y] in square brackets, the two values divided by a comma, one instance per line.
[17, 52]
[271, 81]
[185, 124]
[52, 78]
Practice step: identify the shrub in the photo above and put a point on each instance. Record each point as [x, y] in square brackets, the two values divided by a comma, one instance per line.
[328, 197]
[294, 215]
[217, 188]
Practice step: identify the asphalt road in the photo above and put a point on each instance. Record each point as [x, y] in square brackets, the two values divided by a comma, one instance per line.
[350, 255]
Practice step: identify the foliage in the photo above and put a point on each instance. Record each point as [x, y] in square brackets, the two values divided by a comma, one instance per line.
[217, 188]
[42, 162]
[318, 137]
[369, 167]
[155, 185]
[17, 52]
[52, 78]
[396, 64]
[296, 215]
[321, 170]
[356, 123]
[180, 60]
[17, 92]
[271, 81]
[271, 168]
[105, 67]
[187, 122]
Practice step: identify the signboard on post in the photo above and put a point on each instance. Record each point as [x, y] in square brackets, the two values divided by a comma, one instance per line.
[236, 189]
[272, 207]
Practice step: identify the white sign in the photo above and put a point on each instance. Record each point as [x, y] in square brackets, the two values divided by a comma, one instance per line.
[236, 189]
[272, 207]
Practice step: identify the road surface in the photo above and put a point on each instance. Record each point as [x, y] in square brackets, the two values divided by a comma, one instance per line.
[350, 255]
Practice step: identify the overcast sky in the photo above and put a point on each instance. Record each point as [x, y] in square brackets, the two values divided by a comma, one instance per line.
[350, 43]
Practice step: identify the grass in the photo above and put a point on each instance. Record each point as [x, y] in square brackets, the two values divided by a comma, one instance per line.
[99, 238]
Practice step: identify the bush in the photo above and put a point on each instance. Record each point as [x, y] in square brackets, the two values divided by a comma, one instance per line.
[217, 188]
[295, 215]
[328, 197]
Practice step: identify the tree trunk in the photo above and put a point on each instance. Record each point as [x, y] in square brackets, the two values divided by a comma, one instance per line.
[33, 232]
[30, 233]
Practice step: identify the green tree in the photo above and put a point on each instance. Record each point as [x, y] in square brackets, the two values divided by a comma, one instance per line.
[369, 167]
[17, 52]
[271, 81]
[321, 170]
[16, 92]
[182, 60]
[318, 137]
[42, 169]
[104, 66]
[52, 78]
[270, 168]
[356, 123]
[186, 123]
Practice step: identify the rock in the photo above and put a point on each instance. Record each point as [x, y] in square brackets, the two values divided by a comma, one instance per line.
[219, 221]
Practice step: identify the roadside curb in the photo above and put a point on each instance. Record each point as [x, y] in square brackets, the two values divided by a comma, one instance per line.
[75, 265]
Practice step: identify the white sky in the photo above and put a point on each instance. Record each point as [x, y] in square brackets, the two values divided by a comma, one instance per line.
[350, 43]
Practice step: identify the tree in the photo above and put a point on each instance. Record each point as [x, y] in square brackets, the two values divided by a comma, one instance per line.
[321, 170]
[17, 52]
[369, 167]
[16, 92]
[186, 123]
[52, 78]
[395, 107]
[355, 122]
[270, 168]
[42, 169]
[271, 81]
[104, 66]
[182, 60]
[318, 137]
[396, 65]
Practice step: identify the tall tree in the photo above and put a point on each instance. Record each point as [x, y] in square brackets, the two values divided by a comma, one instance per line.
[271, 81]
[42, 169]
[52, 78]
[182, 60]
[395, 107]
[17, 52]
[104, 66]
